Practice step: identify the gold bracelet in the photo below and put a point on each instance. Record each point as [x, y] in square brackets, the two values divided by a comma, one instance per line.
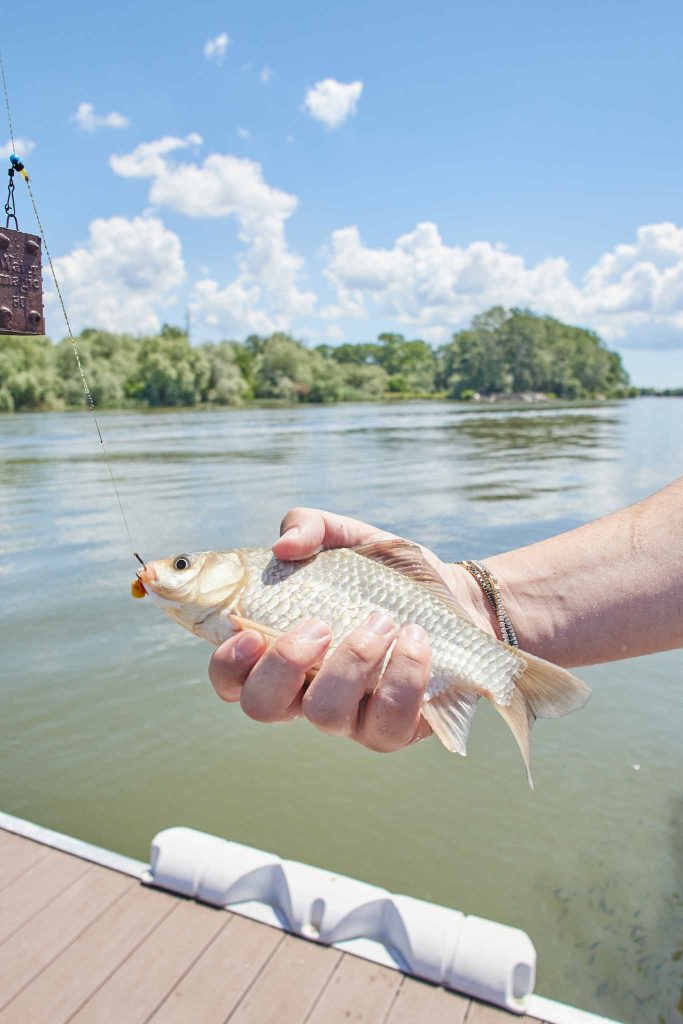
[489, 584]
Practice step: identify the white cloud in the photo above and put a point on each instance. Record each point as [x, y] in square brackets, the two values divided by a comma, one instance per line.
[265, 74]
[86, 118]
[243, 133]
[147, 159]
[333, 102]
[632, 295]
[265, 295]
[215, 49]
[21, 147]
[120, 277]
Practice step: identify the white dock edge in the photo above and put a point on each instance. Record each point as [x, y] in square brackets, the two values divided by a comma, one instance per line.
[483, 959]
[79, 848]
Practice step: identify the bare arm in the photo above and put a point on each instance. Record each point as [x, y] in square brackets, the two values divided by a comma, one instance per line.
[611, 589]
[608, 590]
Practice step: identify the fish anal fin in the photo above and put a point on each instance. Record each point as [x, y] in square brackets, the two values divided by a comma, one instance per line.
[520, 719]
[450, 716]
[408, 559]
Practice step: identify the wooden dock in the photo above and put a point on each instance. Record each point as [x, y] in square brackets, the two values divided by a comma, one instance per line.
[82, 943]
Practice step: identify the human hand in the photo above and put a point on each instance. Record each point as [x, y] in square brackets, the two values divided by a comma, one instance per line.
[350, 694]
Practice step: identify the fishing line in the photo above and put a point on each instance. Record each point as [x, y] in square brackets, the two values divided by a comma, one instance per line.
[88, 394]
[4, 87]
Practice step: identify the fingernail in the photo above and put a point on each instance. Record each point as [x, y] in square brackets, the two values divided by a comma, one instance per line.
[247, 647]
[415, 632]
[313, 629]
[290, 534]
[380, 624]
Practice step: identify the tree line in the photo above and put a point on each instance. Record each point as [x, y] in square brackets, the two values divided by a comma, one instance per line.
[503, 352]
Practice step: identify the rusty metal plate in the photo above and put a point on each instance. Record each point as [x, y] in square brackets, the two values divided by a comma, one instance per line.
[21, 283]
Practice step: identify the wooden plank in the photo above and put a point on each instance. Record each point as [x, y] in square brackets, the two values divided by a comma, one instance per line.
[144, 980]
[40, 940]
[359, 991]
[68, 981]
[18, 855]
[211, 989]
[289, 984]
[484, 1013]
[37, 887]
[419, 1003]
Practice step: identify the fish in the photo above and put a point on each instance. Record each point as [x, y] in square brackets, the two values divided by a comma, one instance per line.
[215, 594]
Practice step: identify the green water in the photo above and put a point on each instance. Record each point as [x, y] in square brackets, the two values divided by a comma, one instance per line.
[110, 731]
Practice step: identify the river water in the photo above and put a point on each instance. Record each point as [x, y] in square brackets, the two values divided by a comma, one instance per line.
[110, 730]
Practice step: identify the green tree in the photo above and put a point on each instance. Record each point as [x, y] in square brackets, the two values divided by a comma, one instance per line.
[27, 374]
[170, 372]
[508, 351]
[226, 384]
[283, 369]
[364, 383]
[109, 362]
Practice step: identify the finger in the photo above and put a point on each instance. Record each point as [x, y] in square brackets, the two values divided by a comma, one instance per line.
[304, 531]
[272, 690]
[232, 662]
[392, 718]
[332, 700]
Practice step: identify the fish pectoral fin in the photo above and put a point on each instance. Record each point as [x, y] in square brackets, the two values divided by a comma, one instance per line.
[239, 624]
[450, 715]
[520, 719]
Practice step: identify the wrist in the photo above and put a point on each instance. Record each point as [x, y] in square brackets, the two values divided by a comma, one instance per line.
[534, 600]
[469, 594]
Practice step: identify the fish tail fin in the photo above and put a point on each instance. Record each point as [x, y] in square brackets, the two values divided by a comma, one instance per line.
[542, 690]
[520, 719]
[551, 691]
[450, 716]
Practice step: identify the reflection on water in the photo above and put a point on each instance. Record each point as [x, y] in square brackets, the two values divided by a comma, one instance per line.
[110, 730]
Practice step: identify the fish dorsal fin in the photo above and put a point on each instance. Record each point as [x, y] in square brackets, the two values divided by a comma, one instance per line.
[407, 558]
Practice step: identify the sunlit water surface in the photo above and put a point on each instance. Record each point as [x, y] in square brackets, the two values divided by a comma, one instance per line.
[110, 730]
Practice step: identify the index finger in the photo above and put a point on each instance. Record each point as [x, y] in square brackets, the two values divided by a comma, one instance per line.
[304, 531]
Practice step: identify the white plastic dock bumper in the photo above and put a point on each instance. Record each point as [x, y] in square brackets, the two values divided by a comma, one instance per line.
[468, 954]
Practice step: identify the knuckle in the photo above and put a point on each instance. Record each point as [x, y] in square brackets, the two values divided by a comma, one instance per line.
[294, 513]
[254, 707]
[225, 693]
[408, 668]
[390, 722]
[224, 685]
[359, 653]
[326, 715]
[288, 653]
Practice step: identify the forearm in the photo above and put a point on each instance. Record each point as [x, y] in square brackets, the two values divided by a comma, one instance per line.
[608, 590]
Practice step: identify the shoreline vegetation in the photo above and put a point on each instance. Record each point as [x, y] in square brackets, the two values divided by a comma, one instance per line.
[505, 355]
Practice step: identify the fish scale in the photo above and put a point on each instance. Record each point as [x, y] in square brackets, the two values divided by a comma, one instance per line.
[215, 593]
[343, 588]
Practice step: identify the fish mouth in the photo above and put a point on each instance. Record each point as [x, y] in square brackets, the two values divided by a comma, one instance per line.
[142, 584]
[147, 574]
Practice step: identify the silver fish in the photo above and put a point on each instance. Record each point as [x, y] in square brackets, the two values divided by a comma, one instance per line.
[214, 594]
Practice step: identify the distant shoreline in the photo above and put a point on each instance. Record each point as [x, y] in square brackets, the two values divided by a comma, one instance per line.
[484, 402]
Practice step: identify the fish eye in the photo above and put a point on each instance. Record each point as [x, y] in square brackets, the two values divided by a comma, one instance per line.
[181, 562]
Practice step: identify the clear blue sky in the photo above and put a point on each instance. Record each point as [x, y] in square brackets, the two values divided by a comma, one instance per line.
[540, 143]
